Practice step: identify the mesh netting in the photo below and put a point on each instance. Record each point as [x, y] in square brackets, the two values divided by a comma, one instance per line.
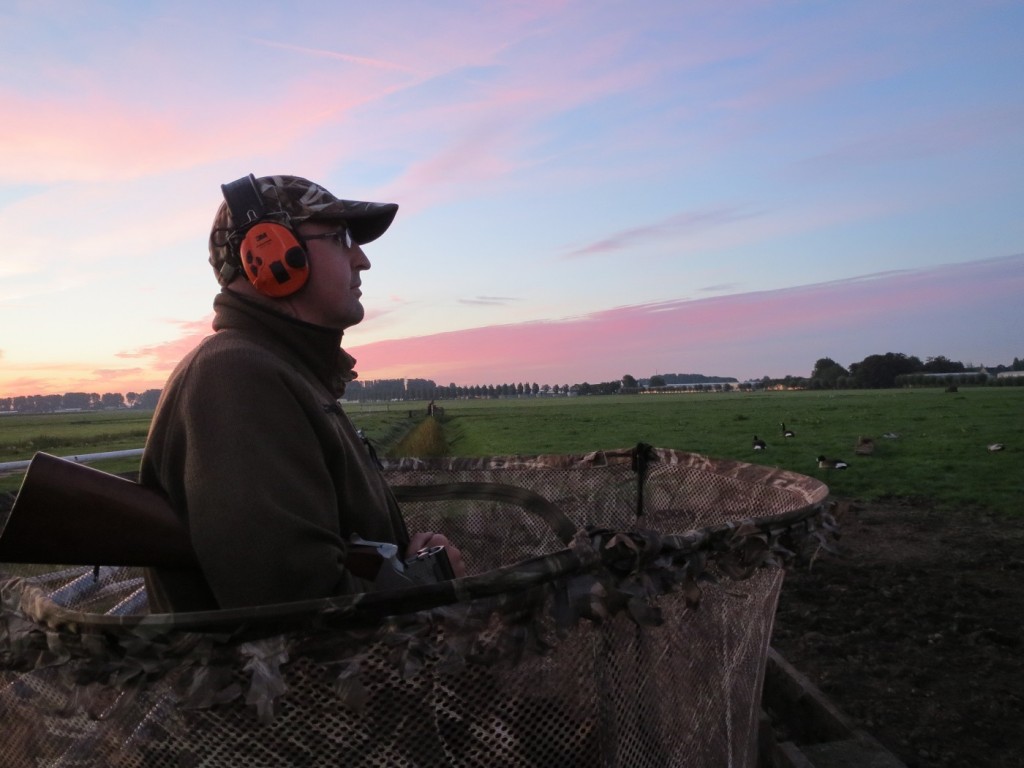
[642, 643]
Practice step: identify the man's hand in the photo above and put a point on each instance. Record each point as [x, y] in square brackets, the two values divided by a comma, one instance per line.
[423, 539]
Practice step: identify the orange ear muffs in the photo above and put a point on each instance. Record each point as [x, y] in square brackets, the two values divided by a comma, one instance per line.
[274, 260]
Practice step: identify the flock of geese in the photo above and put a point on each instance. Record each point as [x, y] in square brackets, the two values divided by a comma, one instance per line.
[864, 446]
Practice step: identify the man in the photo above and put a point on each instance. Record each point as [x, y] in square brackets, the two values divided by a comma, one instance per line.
[248, 440]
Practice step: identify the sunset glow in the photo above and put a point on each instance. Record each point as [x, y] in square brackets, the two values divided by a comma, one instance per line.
[586, 190]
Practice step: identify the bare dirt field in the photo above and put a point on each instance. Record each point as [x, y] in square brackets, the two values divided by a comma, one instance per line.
[914, 630]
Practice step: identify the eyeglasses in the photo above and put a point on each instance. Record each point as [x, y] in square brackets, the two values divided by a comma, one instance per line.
[340, 237]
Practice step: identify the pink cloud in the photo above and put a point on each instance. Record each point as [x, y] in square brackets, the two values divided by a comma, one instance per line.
[732, 225]
[150, 371]
[97, 136]
[678, 225]
[969, 312]
[164, 356]
[766, 333]
[72, 377]
[492, 132]
[320, 53]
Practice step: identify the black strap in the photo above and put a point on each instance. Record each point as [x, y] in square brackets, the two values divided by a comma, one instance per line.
[642, 454]
[529, 500]
[244, 201]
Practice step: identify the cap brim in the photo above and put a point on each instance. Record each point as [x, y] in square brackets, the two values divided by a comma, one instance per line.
[366, 221]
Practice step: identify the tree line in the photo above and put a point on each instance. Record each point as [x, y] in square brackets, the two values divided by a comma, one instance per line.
[891, 369]
[79, 401]
[895, 369]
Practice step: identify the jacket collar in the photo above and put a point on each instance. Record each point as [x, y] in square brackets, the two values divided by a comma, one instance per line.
[316, 347]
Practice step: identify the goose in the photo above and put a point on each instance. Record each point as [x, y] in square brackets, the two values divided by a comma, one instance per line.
[996, 447]
[824, 463]
[787, 432]
[891, 436]
[759, 445]
[864, 447]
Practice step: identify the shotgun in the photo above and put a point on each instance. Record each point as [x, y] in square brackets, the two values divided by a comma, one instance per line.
[71, 514]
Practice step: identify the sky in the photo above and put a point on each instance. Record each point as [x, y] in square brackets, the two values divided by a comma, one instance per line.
[587, 189]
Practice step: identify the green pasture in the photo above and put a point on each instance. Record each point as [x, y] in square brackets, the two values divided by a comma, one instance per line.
[940, 455]
[77, 432]
[67, 434]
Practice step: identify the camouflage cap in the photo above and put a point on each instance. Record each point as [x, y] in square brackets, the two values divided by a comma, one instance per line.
[291, 200]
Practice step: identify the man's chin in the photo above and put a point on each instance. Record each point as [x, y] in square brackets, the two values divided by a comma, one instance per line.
[354, 317]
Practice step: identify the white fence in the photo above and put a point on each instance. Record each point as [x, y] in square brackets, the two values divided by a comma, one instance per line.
[81, 458]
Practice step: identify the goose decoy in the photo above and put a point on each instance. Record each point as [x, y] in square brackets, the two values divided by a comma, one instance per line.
[864, 447]
[996, 447]
[824, 463]
[759, 445]
[787, 432]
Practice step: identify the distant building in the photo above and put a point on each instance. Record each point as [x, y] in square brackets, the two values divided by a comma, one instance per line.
[954, 375]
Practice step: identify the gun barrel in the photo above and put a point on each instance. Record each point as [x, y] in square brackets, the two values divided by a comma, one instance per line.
[71, 514]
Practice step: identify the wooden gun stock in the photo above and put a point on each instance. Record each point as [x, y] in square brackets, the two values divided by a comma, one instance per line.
[70, 514]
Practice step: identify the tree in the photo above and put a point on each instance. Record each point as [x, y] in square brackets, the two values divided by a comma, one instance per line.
[628, 382]
[148, 399]
[112, 400]
[657, 381]
[826, 373]
[76, 400]
[880, 371]
[942, 364]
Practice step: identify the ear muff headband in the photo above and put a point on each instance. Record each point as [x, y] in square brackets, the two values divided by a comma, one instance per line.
[271, 255]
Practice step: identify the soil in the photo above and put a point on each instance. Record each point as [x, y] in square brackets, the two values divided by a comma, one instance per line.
[914, 630]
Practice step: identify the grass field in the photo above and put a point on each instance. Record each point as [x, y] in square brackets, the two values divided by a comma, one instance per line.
[78, 432]
[939, 457]
[65, 434]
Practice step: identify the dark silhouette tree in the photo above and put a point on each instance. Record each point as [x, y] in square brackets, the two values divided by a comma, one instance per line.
[880, 371]
[942, 364]
[112, 400]
[826, 373]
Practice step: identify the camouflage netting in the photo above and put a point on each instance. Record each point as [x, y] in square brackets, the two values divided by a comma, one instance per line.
[641, 643]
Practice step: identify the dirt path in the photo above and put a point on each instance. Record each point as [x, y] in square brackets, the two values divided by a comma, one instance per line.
[915, 632]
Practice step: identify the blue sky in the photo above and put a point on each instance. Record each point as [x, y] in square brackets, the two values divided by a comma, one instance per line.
[587, 189]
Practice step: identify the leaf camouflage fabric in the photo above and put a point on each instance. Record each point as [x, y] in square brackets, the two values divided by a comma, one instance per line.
[617, 613]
